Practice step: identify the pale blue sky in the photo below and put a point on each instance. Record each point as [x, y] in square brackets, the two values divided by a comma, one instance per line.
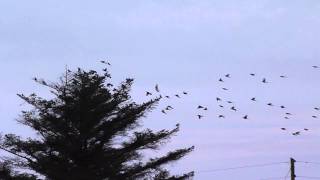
[183, 45]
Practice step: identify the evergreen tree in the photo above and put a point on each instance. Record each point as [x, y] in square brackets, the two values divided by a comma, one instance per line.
[89, 131]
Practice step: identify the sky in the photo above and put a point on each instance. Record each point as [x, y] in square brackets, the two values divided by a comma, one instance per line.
[183, 45]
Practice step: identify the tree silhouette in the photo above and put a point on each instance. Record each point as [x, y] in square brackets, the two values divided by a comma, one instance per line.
[89, 131]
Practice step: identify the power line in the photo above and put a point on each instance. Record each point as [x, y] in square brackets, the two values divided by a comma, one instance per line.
[271, 178]
[308, 177]
[308, 162]
[241, 167]
[287, 175]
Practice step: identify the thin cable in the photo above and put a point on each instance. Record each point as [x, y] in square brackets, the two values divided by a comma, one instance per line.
[272, 178]
[287, 175]
[240, 167]
[308, 177]
[308, 162]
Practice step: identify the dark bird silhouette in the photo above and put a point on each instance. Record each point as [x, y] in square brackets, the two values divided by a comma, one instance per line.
[316, 108]
[283, 129]
[288, 114]
[245, 117]
[282, 107]
[233, 108]
[177, 95]
[253, 99]
[306, 129]
[205, 109]
[169, 108]
[227, 75]
[148, 93]
[221, 116]
[270, 104]
[157, 88]
[200, 107]
[105, 62]
[164, 112]
[105, 69]
[221, 80]
[225, 89]
[167, 97]
[315, 116]
[315, 67]
[218, 99]
[230, 102]
[264, 80]
[185, 93]
[199, 116]
[35, 79]
[221, 106]
[252, 74]
[109, 85]
[286, 117]
[296, 133]
[282, 76]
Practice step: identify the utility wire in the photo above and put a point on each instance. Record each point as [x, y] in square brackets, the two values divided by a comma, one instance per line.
[308, 177]
[271, 178]
[308, 162]
[287, 175]
[241, 167]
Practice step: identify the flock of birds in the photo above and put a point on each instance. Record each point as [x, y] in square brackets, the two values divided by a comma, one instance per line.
[219, 100]
[232, 106]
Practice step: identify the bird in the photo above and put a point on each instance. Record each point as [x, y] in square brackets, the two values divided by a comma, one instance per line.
[164, 112]
[157, 88]
[270, 104]
[205, 109]
[177, 95]
[221, 106]
[252, 74]
[169, 108]
[218, 99]
[282, 107]
[315, 67]
[264, 80]
[109, 85]
[148, 93]
[233, 108]
[316, 108]
[283, 129]
[306, 129]
[296, 133]
[105, 69]
[221, 80]
[35, 79]
[167, 97]
[185, 93]
[230, 102]
[225, 89]
[105, 62]
[315, 116]
[288, 114]
[200, 107]
[221, 116]
[200, 116]
[227, 75]
[245, 117]
[253, 99]
[282, 76]
[286, 117]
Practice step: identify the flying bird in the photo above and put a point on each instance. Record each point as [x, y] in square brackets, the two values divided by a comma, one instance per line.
[221, 80]
[253, 99]
[177, 95]
[185, 93]
[148, 93]
[200, 116]
[221, 116]
[282, 107]
[315, 116]
[286, 117]
[315, 67]
[288, 114]
[218, 99]
[306, 129]
[109, 85]
[169, 108]
[233, 108]
[230, 102]
[227, 75]
[245, 117]
[252, 74]
[200, 107]
[264, 80]
[221, 106]
[225, 89]
[282, 76]
[205, 109]
[157, 88]
[167, 97]
[316, 108]
[296, 133]
[105, 62]
[283, 129]
[164, 112]
[270, 104]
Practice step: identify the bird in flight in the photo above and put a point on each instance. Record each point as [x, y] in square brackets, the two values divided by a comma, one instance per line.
[296, 133]
[200, 107]
[227, 75]
[221, 116]
[245, 117]
[252, 74]
[282, 107]
[315, 67]
[148, 93]
[288, 114]
[230, 102]
[169, 108]
[221, 106]
[282, 76]
[283, 129]
[205, 109]
[225, 89]
[218, 99]
[270, 104]
[316, 108]
[167, 97]
[233, 108]
[221, 80]
[199, 116]
[157, 88]
[264, 80]
[109, 85]
[185, 93]
[306, 129]
[105, 62]
[164, 112]
[177, 95]
[286, 117]
[315, 116]
[253, 99]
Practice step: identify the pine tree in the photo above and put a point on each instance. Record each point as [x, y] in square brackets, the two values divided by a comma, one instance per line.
[89, 131]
